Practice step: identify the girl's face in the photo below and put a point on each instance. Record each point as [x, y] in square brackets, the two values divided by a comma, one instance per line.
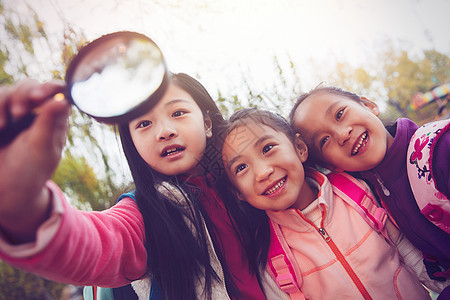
[343, 133]
[265, 167]
[171, 137]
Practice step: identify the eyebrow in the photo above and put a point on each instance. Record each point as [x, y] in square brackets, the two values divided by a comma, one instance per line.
[331, 108]
[175, 101]
[171, 102]
[259, 141]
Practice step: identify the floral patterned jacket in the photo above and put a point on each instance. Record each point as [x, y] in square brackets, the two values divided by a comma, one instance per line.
[389, 180]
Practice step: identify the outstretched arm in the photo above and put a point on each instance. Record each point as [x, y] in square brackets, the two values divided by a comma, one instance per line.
[31, 158]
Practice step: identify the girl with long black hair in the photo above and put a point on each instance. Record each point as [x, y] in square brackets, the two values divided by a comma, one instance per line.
[174, 232]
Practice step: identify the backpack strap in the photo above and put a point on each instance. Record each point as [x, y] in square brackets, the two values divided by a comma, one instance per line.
[283, 265]
[127, 195]
[98, 293]
[354, 192]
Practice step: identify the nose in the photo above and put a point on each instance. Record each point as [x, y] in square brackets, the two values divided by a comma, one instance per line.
[166, 131]
[343, 134]
[263, 172]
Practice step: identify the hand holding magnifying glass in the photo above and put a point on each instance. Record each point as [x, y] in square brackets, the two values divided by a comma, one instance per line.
[113, 79]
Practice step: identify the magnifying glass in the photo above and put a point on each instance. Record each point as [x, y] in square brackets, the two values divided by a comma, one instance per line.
[113, 79]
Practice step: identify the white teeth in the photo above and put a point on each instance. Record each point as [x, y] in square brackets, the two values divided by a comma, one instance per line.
[171, 151]
[275, 187]
[361, 141]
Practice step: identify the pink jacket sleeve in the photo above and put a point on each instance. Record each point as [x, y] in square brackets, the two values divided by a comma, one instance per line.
[84, 248]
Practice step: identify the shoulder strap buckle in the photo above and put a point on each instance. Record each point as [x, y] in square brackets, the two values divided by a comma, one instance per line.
[286, 283]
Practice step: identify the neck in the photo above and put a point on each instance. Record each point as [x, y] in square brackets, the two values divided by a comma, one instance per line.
[307, 195]
[389, 139]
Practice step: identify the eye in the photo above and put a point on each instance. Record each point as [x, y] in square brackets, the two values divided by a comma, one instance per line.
[178, 113]
[267, 148]
[144, 124]
[323, 141]
[240, 168]
[339, 114]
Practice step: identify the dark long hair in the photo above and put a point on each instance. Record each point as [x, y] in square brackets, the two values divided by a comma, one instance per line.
[177, 257]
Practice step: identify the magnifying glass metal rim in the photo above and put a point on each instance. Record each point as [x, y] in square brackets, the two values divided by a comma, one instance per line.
[134, 112]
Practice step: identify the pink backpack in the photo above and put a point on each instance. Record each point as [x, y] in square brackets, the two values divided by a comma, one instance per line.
[281, 261]
[433, 204]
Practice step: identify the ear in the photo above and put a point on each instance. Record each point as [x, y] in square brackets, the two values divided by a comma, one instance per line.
[372, 106]
[239, 195]
[208, 126]
[236, 193]
[301, 148]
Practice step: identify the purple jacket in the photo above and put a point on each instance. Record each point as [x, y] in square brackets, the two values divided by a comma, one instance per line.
[389, 180]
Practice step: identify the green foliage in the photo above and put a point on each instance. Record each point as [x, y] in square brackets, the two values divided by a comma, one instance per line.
[78, 180]
[103, 189]
[17, 284]
[17, 48]
[393, 79]
[75, 175]
[5, 78]
[403, 76]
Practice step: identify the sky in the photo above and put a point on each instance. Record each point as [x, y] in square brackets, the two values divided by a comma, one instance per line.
[218, 41]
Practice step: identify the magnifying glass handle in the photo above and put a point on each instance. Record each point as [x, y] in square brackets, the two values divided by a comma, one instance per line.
[14, 128]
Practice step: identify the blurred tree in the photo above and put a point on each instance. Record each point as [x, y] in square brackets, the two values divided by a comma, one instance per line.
[17, 284]
[278, 97]
[393, 79]
[403, 76]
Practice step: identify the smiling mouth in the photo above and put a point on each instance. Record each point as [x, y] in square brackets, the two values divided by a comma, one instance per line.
[275, 187]
[172, 151]
[360, 143]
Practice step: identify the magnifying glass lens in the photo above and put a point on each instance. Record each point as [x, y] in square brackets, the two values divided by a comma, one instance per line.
[113, 76]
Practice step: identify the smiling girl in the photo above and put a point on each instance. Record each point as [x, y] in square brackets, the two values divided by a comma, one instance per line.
[344, 133]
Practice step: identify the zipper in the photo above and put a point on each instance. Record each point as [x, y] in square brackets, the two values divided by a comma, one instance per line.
[386, 192]
[324, 234]
[340, 257]
[344, 263]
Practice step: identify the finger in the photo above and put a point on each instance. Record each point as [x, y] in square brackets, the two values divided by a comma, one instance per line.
[19, 98]
[49, 129]
[30, 94]
[47, 90]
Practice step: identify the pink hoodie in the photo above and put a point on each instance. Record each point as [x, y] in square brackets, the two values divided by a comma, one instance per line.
[355, 262]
